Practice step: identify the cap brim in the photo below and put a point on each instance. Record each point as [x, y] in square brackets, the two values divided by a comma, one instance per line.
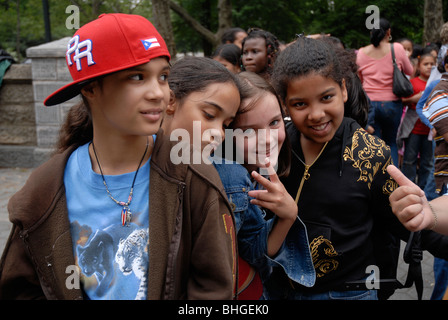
[65, 93]
[71, 90]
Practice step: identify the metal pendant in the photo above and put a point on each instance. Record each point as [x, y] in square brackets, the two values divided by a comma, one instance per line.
[126, 216]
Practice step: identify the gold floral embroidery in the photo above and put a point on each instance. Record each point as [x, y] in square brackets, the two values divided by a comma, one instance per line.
[323, 266]
[366, 153]
[389, 187]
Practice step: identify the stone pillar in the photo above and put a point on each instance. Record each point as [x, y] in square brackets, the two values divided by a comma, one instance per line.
[49, 71]
[28, 129]
[17, 119]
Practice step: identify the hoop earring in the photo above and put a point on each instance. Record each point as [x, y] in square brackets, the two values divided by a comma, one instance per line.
[390, 38]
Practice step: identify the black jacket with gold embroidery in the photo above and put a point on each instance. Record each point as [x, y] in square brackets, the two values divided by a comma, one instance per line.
[340, 197]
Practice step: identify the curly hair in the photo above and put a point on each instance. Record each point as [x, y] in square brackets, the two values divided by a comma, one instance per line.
[302, 58]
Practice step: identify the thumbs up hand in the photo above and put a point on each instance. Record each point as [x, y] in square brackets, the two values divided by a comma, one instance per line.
[409, 202]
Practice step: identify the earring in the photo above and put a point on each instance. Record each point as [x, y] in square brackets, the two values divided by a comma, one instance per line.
[390, 38]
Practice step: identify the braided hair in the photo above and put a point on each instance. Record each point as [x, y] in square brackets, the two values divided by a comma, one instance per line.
[272, 45]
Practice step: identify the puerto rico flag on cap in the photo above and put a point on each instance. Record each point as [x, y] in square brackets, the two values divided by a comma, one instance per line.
[111, 43]
[150, 43]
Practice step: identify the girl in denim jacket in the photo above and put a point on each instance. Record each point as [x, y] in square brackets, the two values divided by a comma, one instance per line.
[264, 240]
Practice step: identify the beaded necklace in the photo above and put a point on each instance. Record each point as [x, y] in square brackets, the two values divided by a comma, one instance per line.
[126, 214]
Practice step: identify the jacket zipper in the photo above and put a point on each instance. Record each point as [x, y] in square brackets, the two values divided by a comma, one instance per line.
[169, 293]
[306, 174]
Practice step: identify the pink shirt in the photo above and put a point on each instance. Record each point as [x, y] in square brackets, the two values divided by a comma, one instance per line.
[377, 74]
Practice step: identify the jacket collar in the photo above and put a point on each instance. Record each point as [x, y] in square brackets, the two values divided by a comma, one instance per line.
[341, 137]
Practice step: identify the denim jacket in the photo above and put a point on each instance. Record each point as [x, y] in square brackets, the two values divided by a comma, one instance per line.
[252, 229]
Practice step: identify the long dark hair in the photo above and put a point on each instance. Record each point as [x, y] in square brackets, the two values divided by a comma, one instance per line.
[357, 104]
[229, 35]
[229, 52]
[252, 87]
[376, 35]
[192, 74]
[77, 128]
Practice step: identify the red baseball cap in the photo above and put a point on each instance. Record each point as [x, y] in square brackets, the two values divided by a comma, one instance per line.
[111, 43]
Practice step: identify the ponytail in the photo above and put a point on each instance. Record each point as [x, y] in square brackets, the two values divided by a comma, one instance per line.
[77, 128]
[377, 35]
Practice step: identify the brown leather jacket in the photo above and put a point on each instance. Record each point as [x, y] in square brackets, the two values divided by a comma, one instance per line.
[192, 244]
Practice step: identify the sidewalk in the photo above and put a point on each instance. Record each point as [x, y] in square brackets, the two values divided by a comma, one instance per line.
[12, 179]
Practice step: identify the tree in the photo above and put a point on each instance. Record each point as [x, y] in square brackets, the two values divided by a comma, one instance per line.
[197, 25]
[224, 20]
[162, 22]
[433, 20]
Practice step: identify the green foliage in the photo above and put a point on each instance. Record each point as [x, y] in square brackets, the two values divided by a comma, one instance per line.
[204, 11]
[344, 19]
[32, 29]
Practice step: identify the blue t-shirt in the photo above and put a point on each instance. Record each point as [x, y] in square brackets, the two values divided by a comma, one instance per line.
[112, 258]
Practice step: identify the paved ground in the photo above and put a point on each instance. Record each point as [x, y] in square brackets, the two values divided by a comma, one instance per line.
[11, 179]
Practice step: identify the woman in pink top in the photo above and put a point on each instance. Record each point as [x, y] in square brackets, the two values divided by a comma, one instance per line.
[376, 73]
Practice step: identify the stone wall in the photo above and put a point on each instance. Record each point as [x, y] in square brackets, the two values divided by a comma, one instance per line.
[28, 129]
[17, 121]
[50, 73]
[17, 118]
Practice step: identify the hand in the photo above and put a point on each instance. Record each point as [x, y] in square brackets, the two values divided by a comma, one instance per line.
[274, 197]
[409, 202]
[434, 133]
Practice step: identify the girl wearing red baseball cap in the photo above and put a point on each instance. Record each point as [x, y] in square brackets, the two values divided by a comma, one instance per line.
[109, 216]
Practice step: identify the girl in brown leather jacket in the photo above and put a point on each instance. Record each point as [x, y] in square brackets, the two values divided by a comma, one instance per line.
[110, 216]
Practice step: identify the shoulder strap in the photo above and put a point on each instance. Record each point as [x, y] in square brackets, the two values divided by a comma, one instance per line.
[393, 53]
[413, 255]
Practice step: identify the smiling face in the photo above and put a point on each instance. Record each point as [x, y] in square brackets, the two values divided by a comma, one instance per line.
[316, 106]
[130, 102]
[263, 131]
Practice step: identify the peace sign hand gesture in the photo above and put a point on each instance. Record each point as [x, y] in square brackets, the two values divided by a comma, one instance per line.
[274, 197]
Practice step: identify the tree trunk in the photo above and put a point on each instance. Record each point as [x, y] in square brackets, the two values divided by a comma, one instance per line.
[19, 55]
[224, 16]
[432, 21]
[162, 22]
